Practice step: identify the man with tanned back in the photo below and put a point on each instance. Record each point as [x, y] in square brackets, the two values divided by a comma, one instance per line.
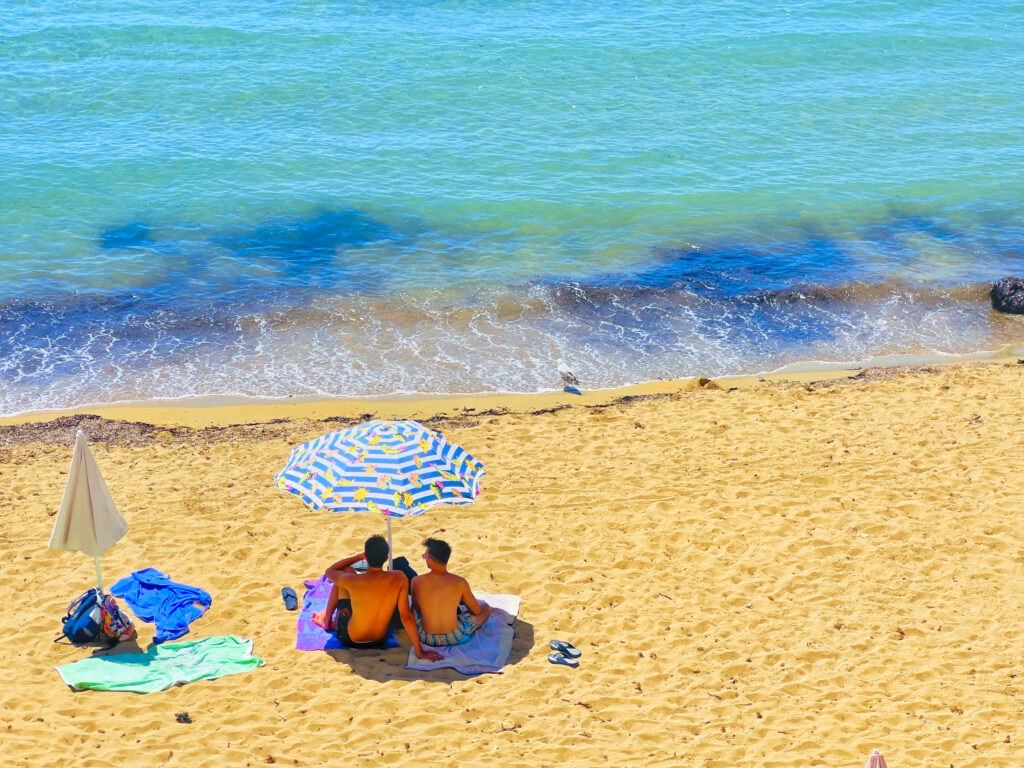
[436, 597]
[366, 601]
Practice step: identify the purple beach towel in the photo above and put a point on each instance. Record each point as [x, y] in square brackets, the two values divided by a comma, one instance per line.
[312, 637]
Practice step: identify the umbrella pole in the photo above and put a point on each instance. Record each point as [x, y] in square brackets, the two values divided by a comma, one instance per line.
[99, 576]
[390, 553]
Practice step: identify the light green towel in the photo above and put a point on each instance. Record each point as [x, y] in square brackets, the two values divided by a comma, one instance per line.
[163, 665]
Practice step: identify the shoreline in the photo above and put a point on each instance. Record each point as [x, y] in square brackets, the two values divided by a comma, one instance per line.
[229, 410]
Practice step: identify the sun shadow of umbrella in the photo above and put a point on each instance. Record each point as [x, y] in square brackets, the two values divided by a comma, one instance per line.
[389, 664]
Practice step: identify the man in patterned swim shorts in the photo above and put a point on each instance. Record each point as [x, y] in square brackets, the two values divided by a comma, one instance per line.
[446, 611]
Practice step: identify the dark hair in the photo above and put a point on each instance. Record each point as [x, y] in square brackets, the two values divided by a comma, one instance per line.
[376, 550]
[439, 550]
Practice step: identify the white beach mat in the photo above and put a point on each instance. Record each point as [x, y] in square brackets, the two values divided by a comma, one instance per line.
[490, 646]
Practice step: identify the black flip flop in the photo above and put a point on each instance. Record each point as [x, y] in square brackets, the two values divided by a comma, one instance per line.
[291, 600]
[565, 648]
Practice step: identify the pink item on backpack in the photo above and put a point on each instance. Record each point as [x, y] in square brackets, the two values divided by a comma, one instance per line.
[115, 624]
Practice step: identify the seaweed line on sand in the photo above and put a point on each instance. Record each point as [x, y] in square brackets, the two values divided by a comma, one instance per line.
[61, 430]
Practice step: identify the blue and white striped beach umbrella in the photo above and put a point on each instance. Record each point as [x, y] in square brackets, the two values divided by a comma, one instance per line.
[396, 468]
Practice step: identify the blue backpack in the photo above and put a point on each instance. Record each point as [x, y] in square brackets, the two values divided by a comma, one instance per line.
[83, 624]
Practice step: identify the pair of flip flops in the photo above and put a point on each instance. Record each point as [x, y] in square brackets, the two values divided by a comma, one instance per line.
[565, 654]
[291, 600]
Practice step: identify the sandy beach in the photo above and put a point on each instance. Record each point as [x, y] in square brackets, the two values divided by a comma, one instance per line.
[784, 573]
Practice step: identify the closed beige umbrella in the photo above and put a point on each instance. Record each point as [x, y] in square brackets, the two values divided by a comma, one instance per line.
[87, 521]
[876, 760]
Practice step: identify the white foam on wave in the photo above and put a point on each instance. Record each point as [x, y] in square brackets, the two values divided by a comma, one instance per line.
[407, 346]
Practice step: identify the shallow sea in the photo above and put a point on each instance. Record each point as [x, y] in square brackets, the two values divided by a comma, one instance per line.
[323, 198]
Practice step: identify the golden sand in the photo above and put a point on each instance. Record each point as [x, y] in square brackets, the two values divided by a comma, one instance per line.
[784, 574]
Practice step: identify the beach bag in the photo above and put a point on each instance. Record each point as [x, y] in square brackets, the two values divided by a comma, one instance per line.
[116, 624]
[94, 619]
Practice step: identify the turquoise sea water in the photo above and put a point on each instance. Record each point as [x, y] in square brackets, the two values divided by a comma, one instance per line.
[295, 198]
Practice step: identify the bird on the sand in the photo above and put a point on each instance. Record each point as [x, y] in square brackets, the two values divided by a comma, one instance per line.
[569, 381]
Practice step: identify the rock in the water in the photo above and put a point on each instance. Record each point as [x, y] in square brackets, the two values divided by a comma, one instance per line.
[1008, 295]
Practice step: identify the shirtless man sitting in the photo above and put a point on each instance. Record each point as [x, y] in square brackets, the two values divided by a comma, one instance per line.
[366, 601]
[436, 597]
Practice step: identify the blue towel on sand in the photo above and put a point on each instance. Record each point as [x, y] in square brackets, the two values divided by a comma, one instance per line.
[155, 598]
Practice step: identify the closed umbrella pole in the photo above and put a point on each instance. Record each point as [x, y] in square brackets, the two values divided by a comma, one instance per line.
[88, 520]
